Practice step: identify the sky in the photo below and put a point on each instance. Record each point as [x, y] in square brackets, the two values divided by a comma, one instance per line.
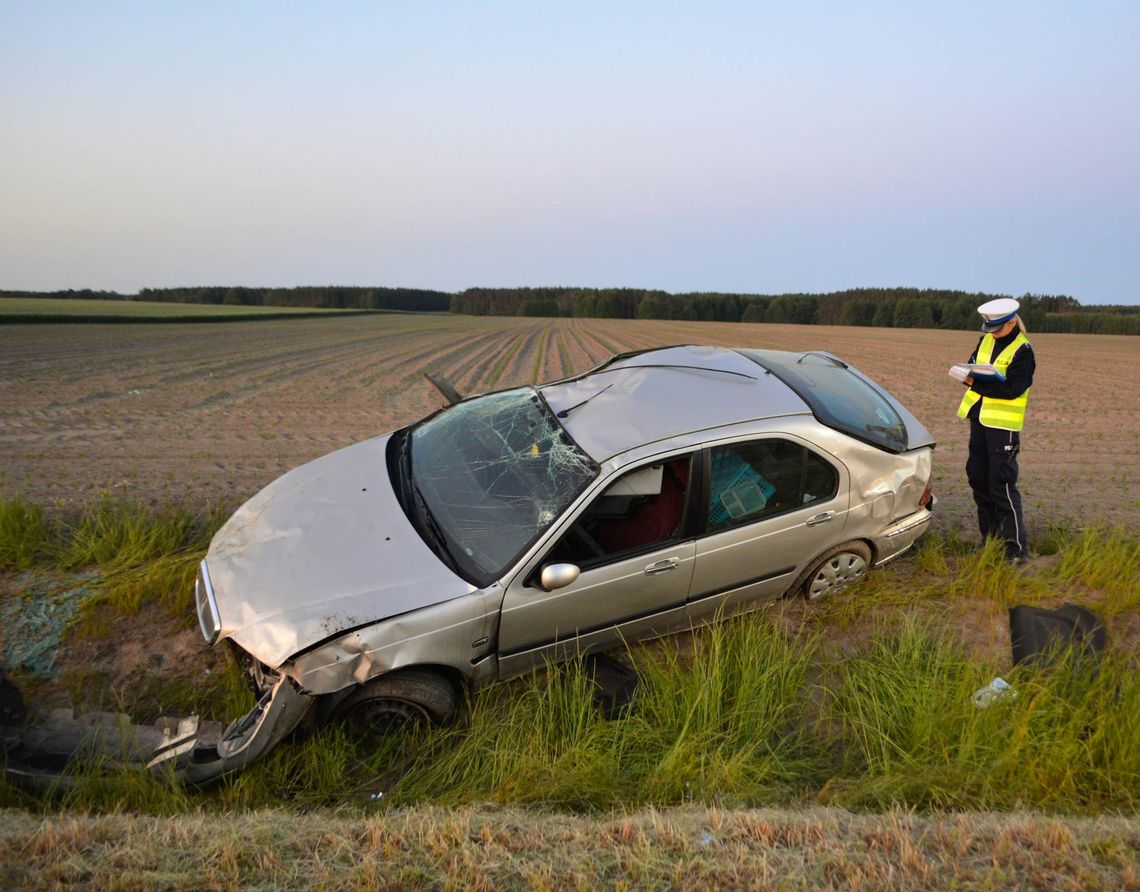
[714, 146]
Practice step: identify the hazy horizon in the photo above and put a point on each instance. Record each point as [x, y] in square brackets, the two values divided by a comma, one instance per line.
[737, 147]
[11, 292]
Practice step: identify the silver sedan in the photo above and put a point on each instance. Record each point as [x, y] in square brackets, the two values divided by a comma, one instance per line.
[655, 492]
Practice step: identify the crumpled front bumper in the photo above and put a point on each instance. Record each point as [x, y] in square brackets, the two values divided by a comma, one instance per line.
[194, 758]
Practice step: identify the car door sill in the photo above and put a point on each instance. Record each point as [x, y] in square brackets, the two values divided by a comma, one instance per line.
[783, 571]
[590, 630]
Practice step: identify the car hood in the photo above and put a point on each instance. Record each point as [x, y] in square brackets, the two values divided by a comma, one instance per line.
[323, 549]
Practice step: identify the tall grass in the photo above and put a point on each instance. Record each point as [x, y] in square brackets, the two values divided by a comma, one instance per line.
[1108, 560]
[754, 716]
[142, 554]
[744, 712]
[24, 534]
[720, 724]
[1068, 740]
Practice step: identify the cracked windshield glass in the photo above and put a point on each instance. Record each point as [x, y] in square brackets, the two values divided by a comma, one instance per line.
[493, 473]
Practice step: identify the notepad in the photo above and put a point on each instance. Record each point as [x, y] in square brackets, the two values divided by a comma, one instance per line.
[979, 371]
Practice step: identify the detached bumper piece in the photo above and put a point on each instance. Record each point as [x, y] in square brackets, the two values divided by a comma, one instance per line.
[194, 756]
[39, 757]
[42, 757]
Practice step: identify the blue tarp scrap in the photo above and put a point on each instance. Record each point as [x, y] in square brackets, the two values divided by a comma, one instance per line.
[34, 621]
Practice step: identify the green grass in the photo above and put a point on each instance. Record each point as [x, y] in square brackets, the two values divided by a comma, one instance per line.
[24, 535]
[43, 306]
[721, 722]
[141, 554]
[752, 711]
[911, 735]
[1108, 560]
[1095, 567]
[745, 722]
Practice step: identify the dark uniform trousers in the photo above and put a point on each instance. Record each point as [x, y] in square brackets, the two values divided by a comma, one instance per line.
[991, 470]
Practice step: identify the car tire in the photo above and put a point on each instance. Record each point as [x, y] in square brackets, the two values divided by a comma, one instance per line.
[393, 702]
[836, 569]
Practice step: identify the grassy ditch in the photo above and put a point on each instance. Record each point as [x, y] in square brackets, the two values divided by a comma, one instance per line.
[141, 554]
[752, 717]
[865, 702]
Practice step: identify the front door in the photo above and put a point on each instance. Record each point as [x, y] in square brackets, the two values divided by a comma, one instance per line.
[636, 562]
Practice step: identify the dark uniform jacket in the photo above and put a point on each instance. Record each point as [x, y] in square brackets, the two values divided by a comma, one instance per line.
[1018, 377]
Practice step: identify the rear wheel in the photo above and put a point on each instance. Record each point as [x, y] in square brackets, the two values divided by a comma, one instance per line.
[394, 702]
[840, 568]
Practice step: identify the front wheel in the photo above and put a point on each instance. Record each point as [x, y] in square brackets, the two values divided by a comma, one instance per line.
[396, 701]
[841, 567]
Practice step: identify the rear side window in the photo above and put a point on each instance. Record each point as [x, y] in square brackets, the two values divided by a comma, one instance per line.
[762, 478]
[841, 399]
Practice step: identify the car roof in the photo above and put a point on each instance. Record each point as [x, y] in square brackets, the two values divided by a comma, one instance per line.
[639, 398]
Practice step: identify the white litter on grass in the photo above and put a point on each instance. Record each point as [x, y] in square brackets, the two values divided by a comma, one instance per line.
[996, 691]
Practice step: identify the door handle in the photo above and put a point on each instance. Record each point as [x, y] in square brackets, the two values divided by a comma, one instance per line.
[816, 519]
[662, 566]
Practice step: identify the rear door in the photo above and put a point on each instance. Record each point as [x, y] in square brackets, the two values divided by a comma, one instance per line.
[773, 504]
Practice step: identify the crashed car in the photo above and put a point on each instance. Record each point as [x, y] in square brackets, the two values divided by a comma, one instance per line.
[510, 530]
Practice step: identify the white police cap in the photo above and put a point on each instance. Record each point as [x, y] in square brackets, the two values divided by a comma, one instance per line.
[996, 313]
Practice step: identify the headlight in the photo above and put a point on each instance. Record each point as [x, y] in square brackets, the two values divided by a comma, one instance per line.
[208, 618]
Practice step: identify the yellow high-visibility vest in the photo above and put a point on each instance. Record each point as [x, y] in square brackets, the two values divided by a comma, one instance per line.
[1006, 414]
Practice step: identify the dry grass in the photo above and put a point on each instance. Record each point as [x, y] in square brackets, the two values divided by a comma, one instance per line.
[490, 848]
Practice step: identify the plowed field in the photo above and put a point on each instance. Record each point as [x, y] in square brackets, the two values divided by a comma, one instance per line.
[213, 412]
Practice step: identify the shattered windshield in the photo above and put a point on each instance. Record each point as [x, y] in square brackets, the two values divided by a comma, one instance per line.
[489, 475]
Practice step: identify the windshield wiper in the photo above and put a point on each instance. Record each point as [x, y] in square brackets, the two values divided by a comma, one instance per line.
[429, 525]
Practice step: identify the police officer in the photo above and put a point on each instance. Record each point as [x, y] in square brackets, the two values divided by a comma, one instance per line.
[996, 409]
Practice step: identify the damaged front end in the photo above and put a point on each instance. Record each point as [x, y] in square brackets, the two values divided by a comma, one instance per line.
[196, 755]
[43, 756]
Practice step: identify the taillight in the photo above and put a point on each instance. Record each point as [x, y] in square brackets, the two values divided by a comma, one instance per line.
[927, 495]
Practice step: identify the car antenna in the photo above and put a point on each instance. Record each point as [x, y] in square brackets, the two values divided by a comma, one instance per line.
[567, 411]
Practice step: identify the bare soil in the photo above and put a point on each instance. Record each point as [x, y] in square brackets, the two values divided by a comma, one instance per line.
[211, 413]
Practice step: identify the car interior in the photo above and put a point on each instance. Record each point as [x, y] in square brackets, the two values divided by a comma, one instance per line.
[642, 509]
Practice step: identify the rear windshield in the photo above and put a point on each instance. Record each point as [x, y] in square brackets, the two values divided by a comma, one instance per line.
[838, 397]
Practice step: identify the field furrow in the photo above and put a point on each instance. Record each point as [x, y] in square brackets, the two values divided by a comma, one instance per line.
[565, 367]
[212, 412]
[519, 368]
[474, 374]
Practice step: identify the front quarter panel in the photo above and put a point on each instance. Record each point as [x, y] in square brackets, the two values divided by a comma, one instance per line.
[456, 634]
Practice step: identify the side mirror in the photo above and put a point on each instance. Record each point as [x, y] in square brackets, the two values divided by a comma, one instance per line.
[557, 576]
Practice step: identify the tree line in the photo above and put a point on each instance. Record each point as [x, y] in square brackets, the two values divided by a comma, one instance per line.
[876, 307]
[333, 297]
